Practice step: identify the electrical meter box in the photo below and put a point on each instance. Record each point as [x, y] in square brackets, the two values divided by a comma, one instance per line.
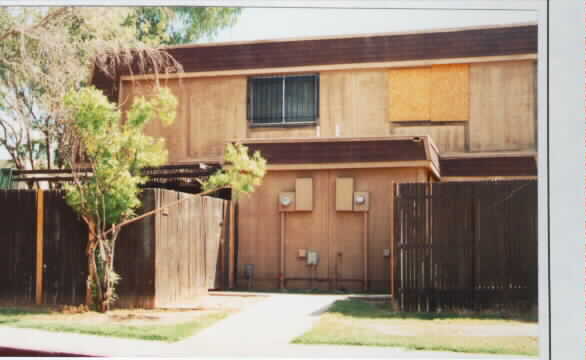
[287, 201]
[312, 257]
[361, 201]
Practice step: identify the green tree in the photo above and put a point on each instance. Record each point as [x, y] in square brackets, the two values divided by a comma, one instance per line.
[45, 52]
[180, 25]
[242, 173]
[115, 150]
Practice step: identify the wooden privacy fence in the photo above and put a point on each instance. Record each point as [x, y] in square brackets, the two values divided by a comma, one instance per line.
[466, 245]
[164, 260]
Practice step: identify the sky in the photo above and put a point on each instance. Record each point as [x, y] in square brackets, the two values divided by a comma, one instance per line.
[275, 23]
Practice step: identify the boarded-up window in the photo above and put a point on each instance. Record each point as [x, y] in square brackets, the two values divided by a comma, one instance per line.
[436, 93]
[409, 94]
[450, 92]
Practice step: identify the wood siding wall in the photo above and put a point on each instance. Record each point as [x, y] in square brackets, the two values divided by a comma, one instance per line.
[502, 107]
[490, 107]
[337, 236]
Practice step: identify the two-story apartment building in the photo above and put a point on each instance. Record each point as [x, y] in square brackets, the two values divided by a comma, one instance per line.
[340, 120]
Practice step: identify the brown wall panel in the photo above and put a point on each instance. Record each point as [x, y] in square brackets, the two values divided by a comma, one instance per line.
[210, 112]
[353, 103]
[324, 230]
[217, 114]
[502, 108]
[344, 191]
[358, 104]
[281, 132]
[174, 134]
[304, 194]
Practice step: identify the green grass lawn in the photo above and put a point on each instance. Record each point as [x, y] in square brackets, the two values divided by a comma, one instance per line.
[355, 322]
[105, 325]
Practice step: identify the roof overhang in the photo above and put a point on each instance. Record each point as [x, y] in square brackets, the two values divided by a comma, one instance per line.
[347, 153]
[367, 50]
[496, 166]
[391, 152]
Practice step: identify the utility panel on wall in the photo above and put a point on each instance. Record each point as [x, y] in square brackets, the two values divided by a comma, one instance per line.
[344, 194]
[287, 201]
[304, 194]
[361, 201]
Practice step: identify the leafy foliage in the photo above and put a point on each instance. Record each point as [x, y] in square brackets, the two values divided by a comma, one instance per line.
[116, 151]
[180, 25]
[45, 52]
[242, 173]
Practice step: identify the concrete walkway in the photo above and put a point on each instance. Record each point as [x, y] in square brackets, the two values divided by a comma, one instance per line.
[276, 320]
[263, 329]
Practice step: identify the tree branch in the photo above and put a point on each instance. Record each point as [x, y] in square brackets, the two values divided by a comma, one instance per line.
[41, 23]
[152, 212]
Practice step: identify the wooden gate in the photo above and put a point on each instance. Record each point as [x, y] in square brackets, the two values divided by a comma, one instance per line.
[466, 245]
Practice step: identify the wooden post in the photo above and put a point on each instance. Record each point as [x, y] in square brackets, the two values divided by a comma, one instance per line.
[88, 287]
[40, 246]
[231, 247]
[365, 248]
[392, 240]
[282, 270]
[222, 249]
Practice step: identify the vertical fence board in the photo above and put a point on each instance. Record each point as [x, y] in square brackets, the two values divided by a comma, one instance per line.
[134, 258]
[18, 241]
[65, 261]
[466, 245]
[161, 259]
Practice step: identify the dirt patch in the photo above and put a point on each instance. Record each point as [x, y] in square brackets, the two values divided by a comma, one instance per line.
[140, 317]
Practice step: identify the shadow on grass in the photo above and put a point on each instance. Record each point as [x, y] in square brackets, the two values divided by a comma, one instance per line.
[303, 291]
[13, 315]
[20, 311]
[362, 309]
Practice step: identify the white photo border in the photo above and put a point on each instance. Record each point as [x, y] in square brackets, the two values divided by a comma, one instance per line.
[559, 21]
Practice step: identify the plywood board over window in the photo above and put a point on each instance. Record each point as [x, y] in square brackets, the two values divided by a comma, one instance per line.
[450, 92]
[410, 94]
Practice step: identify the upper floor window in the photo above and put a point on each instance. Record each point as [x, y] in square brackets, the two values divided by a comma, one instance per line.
[283, 100]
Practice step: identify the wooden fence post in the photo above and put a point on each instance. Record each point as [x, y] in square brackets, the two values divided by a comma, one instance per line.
[40, 246]
[392, 241]
[231, 247]
[365, 249]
